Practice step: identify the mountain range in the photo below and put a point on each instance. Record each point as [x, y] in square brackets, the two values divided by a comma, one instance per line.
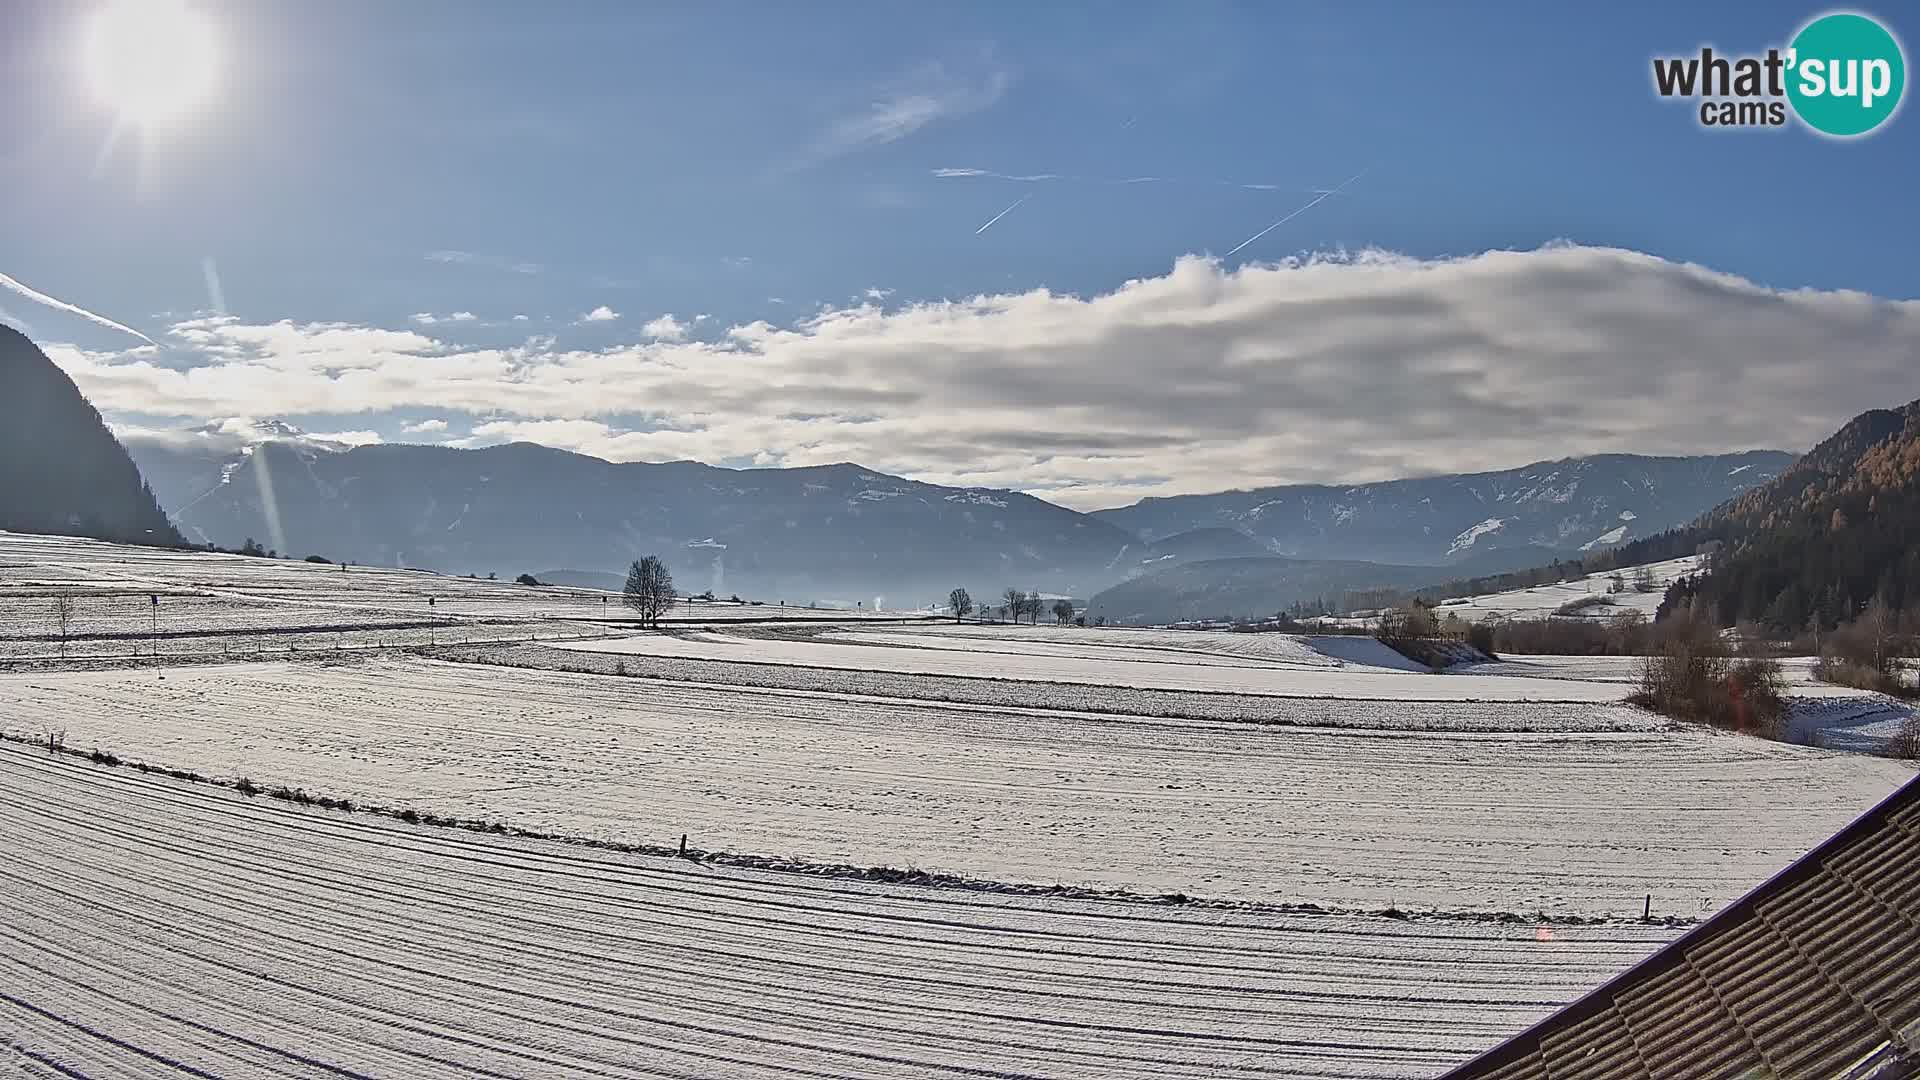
[844, 532]
[1570, 505]
[822, 533]
[833, 532]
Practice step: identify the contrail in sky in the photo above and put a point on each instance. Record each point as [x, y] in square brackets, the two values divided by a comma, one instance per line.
[1000, 215]
[215, 294]
[1317, 200]
[956, 173]
[39, 297]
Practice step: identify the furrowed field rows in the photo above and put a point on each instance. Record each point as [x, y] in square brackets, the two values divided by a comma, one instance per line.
[1399, 715]
[198, 647]
[1288, 680]
[1567, 822]
[152, 927]
[1137, 646]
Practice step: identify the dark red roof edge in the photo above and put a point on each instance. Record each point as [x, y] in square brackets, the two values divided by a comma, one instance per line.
[1599, 999]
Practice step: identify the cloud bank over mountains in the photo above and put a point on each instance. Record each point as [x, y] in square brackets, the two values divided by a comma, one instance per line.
[1339, 367]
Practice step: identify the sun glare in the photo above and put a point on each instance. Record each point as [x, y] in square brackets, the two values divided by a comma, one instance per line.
[151, 61]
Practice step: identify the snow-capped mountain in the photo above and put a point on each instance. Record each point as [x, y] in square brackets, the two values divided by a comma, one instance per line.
[1567, 506]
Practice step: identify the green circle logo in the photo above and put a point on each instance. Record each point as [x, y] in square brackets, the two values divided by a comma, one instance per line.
[1845, 74]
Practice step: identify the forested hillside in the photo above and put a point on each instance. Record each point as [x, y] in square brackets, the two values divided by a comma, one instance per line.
[1837, 530]
[61, 470]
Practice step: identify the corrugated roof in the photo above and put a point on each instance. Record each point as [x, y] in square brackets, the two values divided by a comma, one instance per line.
[1816, 973]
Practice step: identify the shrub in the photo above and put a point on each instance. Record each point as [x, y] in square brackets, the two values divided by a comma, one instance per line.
[1480, 636]
[1759, 697]
[528, 579]
[1690, 677]
[1905, 743]
[1584, 603]
[1841, 671]
[319, 559]
[247, 787]
[1626, 635]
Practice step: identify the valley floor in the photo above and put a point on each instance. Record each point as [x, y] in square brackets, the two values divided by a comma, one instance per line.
[1573, 817]
[1282, 856]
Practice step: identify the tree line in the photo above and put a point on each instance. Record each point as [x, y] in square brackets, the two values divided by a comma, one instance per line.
[1015, 604]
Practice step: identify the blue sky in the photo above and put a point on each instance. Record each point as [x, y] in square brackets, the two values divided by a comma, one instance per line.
[360, 164]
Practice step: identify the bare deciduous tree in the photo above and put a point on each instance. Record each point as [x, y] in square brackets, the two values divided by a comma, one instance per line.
[63, 617]
[1033, 607]
[961, 603]
[1062, 611]
[1015, 603]
[649, 590]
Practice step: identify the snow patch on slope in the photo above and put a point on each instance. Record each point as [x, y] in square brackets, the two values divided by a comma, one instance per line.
[1468, 538]
[977, 498]
[1611, 536]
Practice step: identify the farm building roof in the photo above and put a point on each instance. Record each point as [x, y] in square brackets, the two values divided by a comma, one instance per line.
[1815, 973]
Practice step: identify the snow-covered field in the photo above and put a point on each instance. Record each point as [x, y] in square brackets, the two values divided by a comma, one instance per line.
[128, 601]
[1540, 601]
[1104, 658]
[152, 927]
[1562, 819]
[148, 925]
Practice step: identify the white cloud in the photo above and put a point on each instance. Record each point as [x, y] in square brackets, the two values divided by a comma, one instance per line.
[877, 293]
[519, 318]
[347, 438]
[928, 93]
[1334, 368]
[603, 313]
[666, 328]
[428, 318]
[425, 427]
[491, 262]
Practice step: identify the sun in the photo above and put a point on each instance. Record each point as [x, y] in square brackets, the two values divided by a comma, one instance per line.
[151, 61]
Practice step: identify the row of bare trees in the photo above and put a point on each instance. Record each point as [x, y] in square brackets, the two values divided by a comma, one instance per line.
[1015, 604]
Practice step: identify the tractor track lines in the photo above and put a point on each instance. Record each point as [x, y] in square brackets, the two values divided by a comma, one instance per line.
[150, 926]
